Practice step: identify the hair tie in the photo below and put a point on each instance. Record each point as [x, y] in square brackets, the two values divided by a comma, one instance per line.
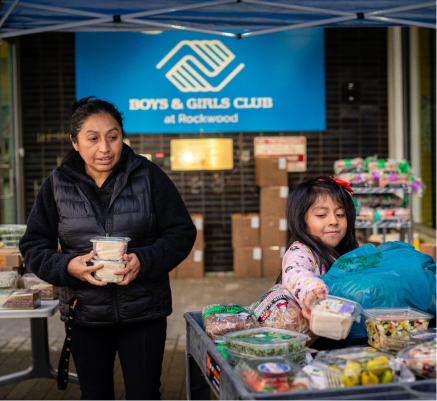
[342, 183]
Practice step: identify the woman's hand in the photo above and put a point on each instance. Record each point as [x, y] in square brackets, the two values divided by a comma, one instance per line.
[306, 311]
[78, 268]
[131, 270]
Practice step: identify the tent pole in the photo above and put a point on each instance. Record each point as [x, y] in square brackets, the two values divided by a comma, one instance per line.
[404, 8]
[6, 15]
[402, 22]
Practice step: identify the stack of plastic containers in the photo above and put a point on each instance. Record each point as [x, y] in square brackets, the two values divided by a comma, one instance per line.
[8, 279]
[109, 251]
[11, 234]
[421, 359]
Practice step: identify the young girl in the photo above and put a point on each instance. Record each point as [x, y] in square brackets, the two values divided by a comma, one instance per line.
[321, 220]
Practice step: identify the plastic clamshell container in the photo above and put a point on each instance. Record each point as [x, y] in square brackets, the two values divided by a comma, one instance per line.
[332, 317]
[106, 273]
[421, 359]
[8, 279]
[265, 341]
[267, 376]
[4, 295]
[30, 279]
[297, 357]
[354, 366]
[394, 344]
[109, 248]
[382, 323]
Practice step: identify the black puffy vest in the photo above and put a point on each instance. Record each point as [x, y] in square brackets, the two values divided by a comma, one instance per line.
[130, 214]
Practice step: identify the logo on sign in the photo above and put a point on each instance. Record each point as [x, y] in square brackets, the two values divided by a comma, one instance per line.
[210, 59]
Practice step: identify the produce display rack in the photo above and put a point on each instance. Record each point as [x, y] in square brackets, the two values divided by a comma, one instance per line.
[207, 369]
[384, 225]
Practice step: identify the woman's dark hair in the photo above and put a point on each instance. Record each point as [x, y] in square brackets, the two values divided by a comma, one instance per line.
[298, 204]
[84, 108]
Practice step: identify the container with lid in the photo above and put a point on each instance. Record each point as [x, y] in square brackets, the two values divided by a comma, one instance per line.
[421, 358]
[265, 341]
[109, 248]
[5, 294]
[332, 317]
[106, 273]
[269, 376]
[354, 366]
[382, 323]
[30, 279]
[23, 299]
[8, 279]
[394, 344]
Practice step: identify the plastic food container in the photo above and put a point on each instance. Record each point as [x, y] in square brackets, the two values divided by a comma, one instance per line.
[23, 299]
[48, 291]
[30, 279]
[8, 279]
[11, 230]
[421, 358]
[4, 295]
[109, 248]
[265, 341]
[394, 344]
[390, 322]
[354, 366]
[271, 376]
[106, 273]
[297, 357]
[332, 317]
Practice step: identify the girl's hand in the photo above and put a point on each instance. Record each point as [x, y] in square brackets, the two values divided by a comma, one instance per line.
[131, 270]
[78, 268]
[306, 311]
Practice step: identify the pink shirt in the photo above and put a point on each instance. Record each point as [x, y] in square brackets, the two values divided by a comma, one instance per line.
[300, 271]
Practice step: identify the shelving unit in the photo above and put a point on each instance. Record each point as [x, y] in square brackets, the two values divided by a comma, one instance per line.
[384, 225]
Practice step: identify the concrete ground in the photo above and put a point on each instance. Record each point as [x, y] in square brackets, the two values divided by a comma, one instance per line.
[189, 295]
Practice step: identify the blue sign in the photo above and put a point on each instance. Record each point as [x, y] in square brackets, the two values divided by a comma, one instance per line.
[182, 82]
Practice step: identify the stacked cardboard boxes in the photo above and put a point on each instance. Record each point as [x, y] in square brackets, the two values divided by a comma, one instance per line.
[194, 265]
[11, 260]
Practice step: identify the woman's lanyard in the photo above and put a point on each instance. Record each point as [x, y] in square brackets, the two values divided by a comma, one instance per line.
[64, 360]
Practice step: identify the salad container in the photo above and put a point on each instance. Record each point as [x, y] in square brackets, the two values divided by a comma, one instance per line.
[391, 322]
[394, 344]
[109, 248]
[265, 341]
[269, 376]
[106, 273]
[8, 279]
[332, 317]
[421, 359]
[354, 366]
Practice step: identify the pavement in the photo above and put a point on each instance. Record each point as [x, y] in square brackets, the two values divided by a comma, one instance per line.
[189, 295]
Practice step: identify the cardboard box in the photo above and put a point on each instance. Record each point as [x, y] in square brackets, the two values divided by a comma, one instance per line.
[11, 259]
[273, 201]
[19, 269]
[193, 266]
[273, 231]
[199, 223]
[272, 261]
[271, 171]
[429, 249]
[245, 230]
[247, 262]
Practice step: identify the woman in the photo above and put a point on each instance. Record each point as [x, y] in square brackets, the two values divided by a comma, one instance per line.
[103, 189]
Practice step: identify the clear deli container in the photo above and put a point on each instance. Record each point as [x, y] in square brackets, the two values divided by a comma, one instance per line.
[23, 299]
[421, 359]
[332, 317]
[4, 295]
[8, 279]
[354, 366]
[268, 376]
[109, 248]
[382, 323]
[106, 273]
[394, 344]
[265, 341]
[30, 279]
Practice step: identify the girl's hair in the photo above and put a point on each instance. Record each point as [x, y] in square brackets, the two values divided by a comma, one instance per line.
[298, 204]
[84, 108]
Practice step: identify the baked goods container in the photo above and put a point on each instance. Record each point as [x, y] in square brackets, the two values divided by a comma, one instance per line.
[421, 359]
[30, 279]
[8, 279]
[382, 323]
[106, 273]
[354, 366]
[4, 295]
[332, 316]
[265, 341]
[109, 248]
[23, 299]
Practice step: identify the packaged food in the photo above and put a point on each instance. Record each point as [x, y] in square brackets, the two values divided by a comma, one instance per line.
[298, 357]
[340, 165]
[354, 366]
[388, 200]
[357, 179]
[23, 299]
[400, 215]
[48, 291]
[389, 165]
[221, 319]
[277, 308]
[332, 317]
[362, 200]
[265, 341]
[12, 231]
[421, 359]
[274, 376]
[394, 344]
[394, 180]
[8, 279]
[365, 214]
[106, 273]
[4, 295]
[382, 323]
[109, 248]
[30, 279]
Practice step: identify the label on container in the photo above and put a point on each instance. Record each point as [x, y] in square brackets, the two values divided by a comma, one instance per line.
[213, 371]
[257, 254]
[423, 335]
[276, 368]
[282, 225]
[336, 306]
[254, 222]
[283, 192]
[282, 163]
[198, 222]
[388, 316]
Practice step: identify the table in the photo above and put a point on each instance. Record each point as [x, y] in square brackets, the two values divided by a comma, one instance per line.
[40, 367]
